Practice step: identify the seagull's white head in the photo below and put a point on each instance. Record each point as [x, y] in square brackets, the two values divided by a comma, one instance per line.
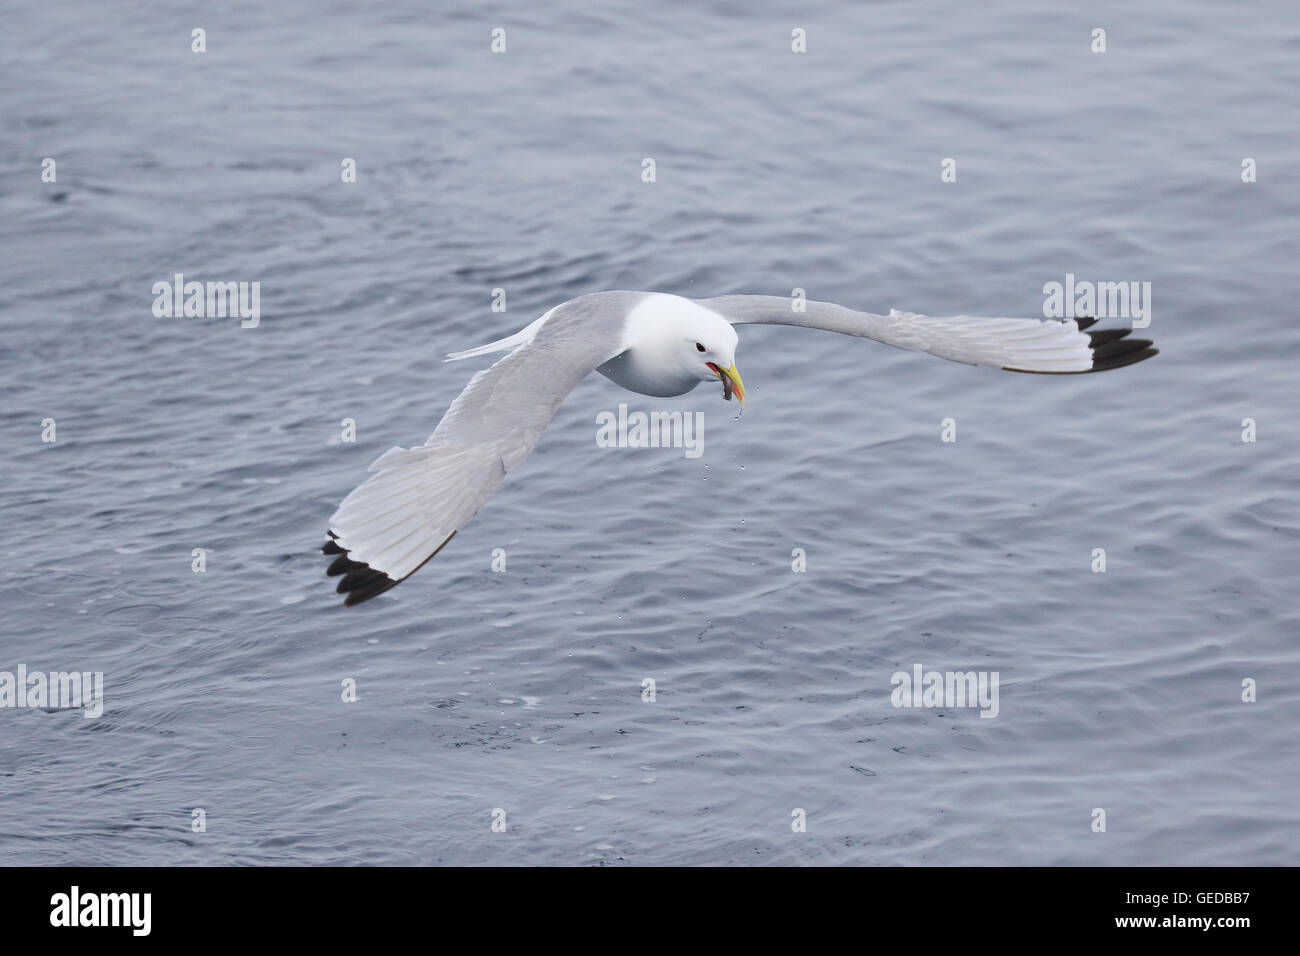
[706, 345]
[671, 344]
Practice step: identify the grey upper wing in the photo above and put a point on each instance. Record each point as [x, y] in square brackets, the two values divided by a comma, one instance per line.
[1017, 345]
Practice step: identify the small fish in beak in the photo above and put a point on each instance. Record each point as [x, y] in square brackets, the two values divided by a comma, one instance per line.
[731, 383]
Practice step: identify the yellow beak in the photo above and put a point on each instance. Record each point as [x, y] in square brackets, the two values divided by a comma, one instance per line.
[731, 382]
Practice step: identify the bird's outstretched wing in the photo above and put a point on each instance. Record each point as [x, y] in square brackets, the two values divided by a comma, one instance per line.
[1017, 345]
[419, 498]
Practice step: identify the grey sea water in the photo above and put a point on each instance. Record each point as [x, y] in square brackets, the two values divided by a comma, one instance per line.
[522, 690]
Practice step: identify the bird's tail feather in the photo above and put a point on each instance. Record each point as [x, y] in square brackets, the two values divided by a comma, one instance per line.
[522, 337]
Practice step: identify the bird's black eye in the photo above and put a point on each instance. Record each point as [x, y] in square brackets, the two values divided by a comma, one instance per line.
[699, 346]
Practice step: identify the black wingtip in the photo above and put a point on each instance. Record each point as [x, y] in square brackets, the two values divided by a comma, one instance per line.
[360, 581]
[1111, 348]
[366, 592]
[1128, 358]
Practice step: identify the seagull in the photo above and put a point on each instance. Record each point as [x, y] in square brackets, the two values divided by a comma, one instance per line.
[651, 343]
